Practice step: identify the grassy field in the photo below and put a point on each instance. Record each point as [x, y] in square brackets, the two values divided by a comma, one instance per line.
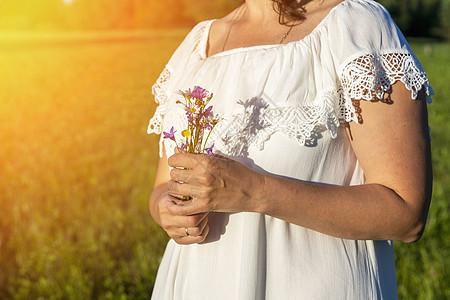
[77, 167]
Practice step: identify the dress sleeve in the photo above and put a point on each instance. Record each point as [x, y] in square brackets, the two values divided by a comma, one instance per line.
[161, 88]
[371, 54]
[159, 91]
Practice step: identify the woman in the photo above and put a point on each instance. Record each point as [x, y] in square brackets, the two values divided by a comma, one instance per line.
[322, 156]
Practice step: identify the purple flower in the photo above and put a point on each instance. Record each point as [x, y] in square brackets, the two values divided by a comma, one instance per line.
[183, 146]
[170, 135]
[199, 93]
[209, 150]
[189, 116]
[207, 126]
[208, 112]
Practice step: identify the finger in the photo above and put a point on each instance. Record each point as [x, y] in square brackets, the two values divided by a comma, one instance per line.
[221, 156]
[187, 208]
[178, 199]
[187, 240]
[179, 190]
[197, 230]
[203, 224]
[181, 175]
[173, 225]
[175, 189]
[170, 220]
[188, 160]
[194, 220]
[175, 201]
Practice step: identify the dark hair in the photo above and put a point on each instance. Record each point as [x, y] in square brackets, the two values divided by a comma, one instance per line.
[290, 10]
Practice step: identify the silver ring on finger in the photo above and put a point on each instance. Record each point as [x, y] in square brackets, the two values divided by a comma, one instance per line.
[186, 230]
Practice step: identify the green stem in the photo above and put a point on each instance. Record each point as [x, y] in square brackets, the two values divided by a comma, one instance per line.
[197, 134]
[207, 137]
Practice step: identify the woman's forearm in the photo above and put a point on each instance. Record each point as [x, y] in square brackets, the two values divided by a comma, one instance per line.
[370, 211]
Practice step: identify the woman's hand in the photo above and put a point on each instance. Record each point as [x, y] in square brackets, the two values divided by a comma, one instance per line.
[214, 183]
[183, 230]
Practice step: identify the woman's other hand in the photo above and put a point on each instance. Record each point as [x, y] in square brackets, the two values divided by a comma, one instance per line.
[183, 229]
[213, 183]
[188, 229]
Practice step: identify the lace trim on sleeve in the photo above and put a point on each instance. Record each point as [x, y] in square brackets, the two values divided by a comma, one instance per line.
[371, 75]
[159, 91]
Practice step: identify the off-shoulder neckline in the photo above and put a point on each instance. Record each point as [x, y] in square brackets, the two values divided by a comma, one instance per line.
[207, 28]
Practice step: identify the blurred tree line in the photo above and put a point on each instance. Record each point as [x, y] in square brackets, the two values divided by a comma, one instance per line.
[421, 18]
[425, 18]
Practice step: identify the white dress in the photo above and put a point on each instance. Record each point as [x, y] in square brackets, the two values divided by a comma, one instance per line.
[283, 109]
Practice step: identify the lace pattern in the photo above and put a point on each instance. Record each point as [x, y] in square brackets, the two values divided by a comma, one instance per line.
[258, 121]
[370, 76]
[159, 91]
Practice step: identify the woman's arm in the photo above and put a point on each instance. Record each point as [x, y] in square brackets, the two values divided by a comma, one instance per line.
[392, 146]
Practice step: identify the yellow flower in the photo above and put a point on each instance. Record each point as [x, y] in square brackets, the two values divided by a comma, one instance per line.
[192, 110]
[186, 133]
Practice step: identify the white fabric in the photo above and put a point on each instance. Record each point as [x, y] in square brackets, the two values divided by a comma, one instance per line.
[282, 107]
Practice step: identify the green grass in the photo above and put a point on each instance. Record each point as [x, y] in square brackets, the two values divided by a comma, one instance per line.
[77, 168]
[423, 268]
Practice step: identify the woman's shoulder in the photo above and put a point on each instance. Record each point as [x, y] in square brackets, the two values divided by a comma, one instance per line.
[363, 26]
[189, 46]
[362, 13]
[365, 7]
[197, 38]
[196, 33]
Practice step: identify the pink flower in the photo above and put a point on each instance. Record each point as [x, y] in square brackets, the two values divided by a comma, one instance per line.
[170, 135]
[199, 93]
[209, 150]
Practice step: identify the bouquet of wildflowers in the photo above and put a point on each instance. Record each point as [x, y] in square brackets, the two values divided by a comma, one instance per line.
[201, 121]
